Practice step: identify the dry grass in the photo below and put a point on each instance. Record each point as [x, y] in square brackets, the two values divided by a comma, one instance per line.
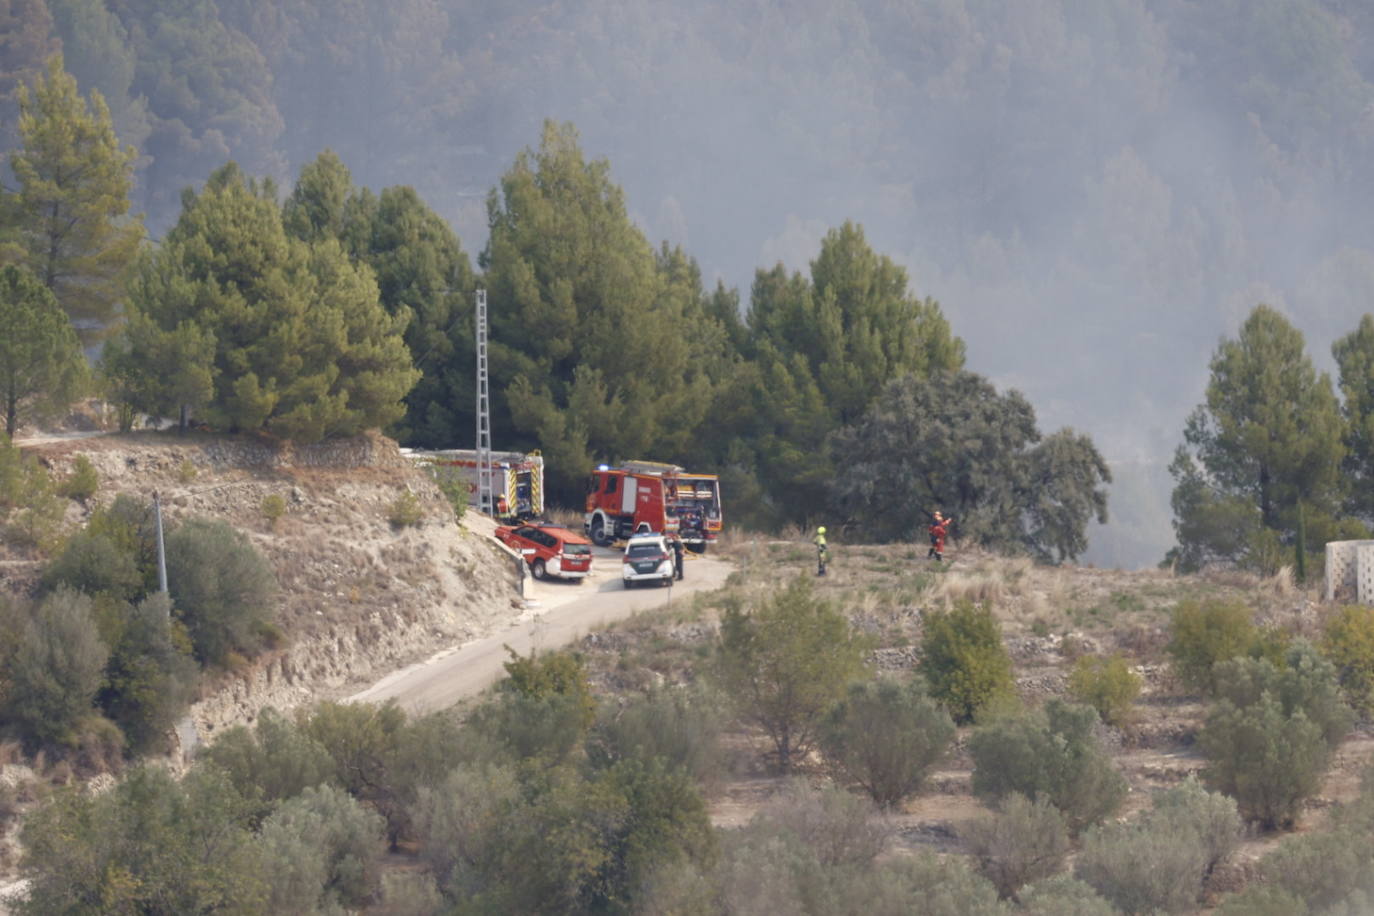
[568, 518]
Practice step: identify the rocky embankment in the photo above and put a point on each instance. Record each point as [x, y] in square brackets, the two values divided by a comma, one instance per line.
[359, 596]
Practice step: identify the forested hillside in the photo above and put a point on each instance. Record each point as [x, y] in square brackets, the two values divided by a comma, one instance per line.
[1094, 192]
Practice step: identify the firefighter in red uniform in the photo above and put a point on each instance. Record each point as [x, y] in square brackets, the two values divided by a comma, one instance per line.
[939, 530]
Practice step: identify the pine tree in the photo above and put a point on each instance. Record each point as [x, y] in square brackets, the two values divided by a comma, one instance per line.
[422, 273]
[41, 366]
[71, 208]
[1267, 436]
[300, 345]
[599, 348]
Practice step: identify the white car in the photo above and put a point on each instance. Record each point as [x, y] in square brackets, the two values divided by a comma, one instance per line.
[648, 558]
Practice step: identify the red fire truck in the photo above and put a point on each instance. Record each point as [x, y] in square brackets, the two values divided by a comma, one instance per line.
[650, 496]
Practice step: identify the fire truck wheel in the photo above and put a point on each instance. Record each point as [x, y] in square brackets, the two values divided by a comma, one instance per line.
[599, 537]
[697, 548]
[538, 569]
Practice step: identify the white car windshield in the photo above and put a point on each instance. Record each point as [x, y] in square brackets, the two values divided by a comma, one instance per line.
[644, 550]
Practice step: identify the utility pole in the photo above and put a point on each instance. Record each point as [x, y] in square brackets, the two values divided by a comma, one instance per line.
[161, 553]
[485, 500]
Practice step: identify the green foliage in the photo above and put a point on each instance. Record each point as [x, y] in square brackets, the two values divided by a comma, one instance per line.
[1262, 900]
[1108, 685]
[94, 564]
[680, 726]
[456, 492]
[466, 825]
[422, 273]
[42, 369]
[561, 843]
[785, 663]
[362, 740]
[1269, 738]
[1054, 754]
[1214, 819]
[1158, 862]
[55, 671]
[1302, 681]
[1205, 633]
[886, 737]
[552, 674]
[152, 844]
[150, 679]
[409, 893]
[836, 827]
[127, 524]
[1268, 438]
[610, 373]
[1319, 869]
[1268, 761]
[186, 472]
[819, 350]
[543, 729]
[273, 761]
[273, 508]
[405, 511]
[222, 588]
[1348, 641]
[819, 852]
[322, 852]
[263, 330]
[963, 659]
[1354, 356]
[82, 482]
[1014, 491]
[1141, 867]
[29, 507]
[1022, 842]
[73, 198]
[1064, 895]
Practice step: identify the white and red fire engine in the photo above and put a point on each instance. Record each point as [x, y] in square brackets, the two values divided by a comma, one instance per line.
[517, 479]
[649, 496]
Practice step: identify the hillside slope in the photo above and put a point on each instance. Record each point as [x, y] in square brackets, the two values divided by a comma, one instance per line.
[358, 598]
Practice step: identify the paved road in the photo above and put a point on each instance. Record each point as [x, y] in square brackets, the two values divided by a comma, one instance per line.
[560, 616]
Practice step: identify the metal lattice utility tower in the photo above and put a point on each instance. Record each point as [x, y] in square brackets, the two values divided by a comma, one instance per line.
[484, 488]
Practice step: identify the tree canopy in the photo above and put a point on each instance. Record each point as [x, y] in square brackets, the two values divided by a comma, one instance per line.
[70, 211]
[1266, 442]
[296, 339]
[597, 349]
[41, 366]
[952, 442]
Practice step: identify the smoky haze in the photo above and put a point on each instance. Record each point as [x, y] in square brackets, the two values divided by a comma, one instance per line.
[1096, 192]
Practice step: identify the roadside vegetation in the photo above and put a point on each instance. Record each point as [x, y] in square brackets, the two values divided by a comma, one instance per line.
[679, 763]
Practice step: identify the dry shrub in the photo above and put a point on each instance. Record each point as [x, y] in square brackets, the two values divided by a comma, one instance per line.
[1231, 577]
[569, 518]
[1014, 569]
[1281, 583]
[10, 752]
[1023, 841]
[1143, 641]
[979, 587]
